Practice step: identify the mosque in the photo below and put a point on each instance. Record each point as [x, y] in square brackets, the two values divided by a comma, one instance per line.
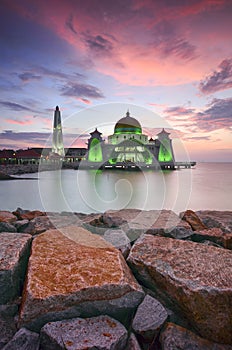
[128, 147]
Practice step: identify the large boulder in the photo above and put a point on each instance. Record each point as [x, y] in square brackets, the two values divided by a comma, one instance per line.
[194, 221]
[27, 214]
[7, 227]
[194, 276]
[162, 222]
[76, 274]
[100, 332]
[215, 235]
[175, 337]
[7, 324]
[149, 318]
[216, 218]
[37, 225]
[23, 340]
[7, 216]
[118, 239]
[14, 254]
[132, 343]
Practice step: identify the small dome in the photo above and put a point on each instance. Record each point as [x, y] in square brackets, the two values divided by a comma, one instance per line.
[128, 125]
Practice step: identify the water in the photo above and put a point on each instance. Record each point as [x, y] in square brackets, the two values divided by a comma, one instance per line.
[207, 186]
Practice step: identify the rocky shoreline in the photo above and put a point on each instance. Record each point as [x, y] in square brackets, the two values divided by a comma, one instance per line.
[126, 279]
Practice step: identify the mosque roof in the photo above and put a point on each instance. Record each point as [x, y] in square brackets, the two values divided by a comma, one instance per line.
[128, 125]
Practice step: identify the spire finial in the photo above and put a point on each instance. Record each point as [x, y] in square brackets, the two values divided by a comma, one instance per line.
[57, 108]
[128, 113]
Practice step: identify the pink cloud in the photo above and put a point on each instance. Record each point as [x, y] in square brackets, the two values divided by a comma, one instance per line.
[26, 121]
[121, 41]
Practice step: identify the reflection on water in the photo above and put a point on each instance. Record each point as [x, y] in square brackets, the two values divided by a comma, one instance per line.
[208, 186]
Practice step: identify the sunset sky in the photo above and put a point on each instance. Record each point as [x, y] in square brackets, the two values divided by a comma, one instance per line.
[173, 58]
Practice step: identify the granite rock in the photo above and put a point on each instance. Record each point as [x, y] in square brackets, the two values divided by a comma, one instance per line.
[119, 240]
[23, 340]
[215, 235]
[111, 219]
[7, 216]
[193, 220]
[7, 227]
[215, 218]
[132, 343]
[149, 318]
[14, 253]
[175, 337]
[27, 214]
[162, 222]
[37, 225]
[20, 224]
[76, 274]
[100, 332]
[194, 276]
[7, 324]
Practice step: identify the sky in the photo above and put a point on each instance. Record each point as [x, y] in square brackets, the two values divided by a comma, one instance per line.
[169, 62]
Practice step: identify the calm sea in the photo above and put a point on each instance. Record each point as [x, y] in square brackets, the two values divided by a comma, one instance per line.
[207, 186]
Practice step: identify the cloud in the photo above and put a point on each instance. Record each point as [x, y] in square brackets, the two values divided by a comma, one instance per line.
[98, 43]
[180, 48]
[220, 79]
[19, 122]
[38, 138]
[217, 115]
[70, 24]
[15, 106]
[196, 138]
[57, 74]
[81, 90]
[28, 76]
[179, 111]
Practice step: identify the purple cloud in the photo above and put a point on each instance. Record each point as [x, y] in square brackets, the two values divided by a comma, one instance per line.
[81, 90]
[27, 76]
[218, 80]
[98, 43]
[16, 107]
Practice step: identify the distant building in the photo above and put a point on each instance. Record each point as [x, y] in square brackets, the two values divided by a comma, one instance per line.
[128, 145]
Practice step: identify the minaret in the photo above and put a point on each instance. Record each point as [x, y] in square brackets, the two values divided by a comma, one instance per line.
[165, 149]
[57, 140]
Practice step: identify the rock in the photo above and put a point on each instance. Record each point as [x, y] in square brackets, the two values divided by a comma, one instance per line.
[118, 239]
[64, 219]
[7, 324]
[168, 224]
[132, 343]
[214, 218]
[215, 235]
[14, 253]
[7, 227]
[21, 224]
[194, 276]
[23, 340]
[7, 216]
[193, 220]
[175, 337]
[28, 215]
[37, 225]
[111, 219]
[162, 222]
[94, 224]
[149, 318]
[76, 274]
[100, 332]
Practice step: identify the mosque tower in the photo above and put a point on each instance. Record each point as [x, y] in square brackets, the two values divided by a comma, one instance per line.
[57, 139]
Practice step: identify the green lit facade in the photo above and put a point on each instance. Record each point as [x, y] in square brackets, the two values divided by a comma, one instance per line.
[128, 145]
